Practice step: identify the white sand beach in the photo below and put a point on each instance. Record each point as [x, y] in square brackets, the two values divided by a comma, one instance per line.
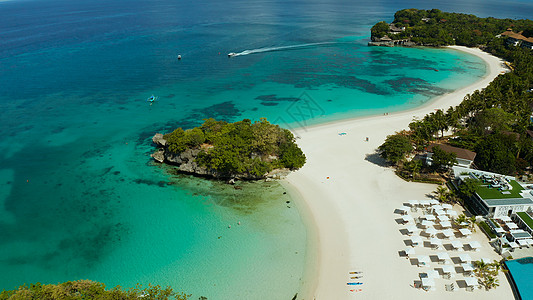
[351, 199]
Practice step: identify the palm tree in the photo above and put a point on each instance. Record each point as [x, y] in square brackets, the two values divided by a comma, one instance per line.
[443, 194]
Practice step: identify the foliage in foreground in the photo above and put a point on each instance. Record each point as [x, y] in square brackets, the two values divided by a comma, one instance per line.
[241, 147]
[87, 289]
[487, 273]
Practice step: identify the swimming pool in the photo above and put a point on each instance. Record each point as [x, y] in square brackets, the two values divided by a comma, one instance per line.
[521, 271]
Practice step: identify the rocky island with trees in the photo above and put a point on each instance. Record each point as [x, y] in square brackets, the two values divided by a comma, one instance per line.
[242, 150]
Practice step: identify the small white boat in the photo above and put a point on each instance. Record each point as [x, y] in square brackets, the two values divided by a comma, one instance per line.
[151, 99]
[231, 54]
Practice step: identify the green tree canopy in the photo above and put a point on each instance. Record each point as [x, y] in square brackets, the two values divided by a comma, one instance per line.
[395, 148]
[380, 29]
[441, 159]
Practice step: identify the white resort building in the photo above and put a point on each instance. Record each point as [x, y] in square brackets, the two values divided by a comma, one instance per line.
[497, 195]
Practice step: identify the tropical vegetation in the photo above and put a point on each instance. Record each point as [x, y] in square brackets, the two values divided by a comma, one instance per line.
[241, 147]
[487, 273]
[495, 122]
[87, 289]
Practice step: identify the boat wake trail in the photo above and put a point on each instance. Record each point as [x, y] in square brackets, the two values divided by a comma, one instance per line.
[272, 49]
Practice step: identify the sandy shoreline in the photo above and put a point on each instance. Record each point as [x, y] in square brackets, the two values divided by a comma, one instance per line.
[350, 200]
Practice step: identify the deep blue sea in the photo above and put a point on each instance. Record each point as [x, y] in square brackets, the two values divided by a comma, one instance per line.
[80, 197]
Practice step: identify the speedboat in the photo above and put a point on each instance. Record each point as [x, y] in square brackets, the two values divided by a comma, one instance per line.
[231, 54]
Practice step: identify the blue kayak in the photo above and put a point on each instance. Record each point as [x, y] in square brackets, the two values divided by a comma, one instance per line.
[354, 283]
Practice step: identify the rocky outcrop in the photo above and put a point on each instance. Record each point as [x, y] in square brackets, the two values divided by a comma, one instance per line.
[186, 163]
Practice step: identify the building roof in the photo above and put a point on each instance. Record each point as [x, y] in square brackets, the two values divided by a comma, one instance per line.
[460, 152]
[517, 36]
[511, 201]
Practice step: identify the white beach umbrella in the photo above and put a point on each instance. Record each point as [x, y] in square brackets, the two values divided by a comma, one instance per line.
[433, 202]
[408, 218]
[447, 206]
[427, 223]
[448, 233]
[443, 218]
[471, 281]
[440, 212]
[448, 269]
[428, 282]
[443, 256]
[437, 207]
[416, 240]
[474, 245]
[465, 257]
[431, 231]
[409, 251]
[499, 230]
[435, 242]
[430, 274]
[467, 267]
[404, 208]
[487, 260]
[452, 213]
[465, 231]
[424, 259]
[424, 202]
[412, 228]
[414, 203]
[445, 224]
[457, 244]
[429, 217]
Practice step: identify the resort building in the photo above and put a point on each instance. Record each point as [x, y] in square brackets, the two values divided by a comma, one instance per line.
[517, 39]
[464, 158]
[497, 195]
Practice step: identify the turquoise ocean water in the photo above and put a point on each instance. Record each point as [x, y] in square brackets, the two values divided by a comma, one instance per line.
[80, 197]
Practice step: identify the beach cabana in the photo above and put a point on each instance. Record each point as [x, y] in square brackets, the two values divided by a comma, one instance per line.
[443, 256]
[447, 271]
[448, 233]
[465, 231]
[407, 219]
[434, 202]
[529, 241]
[437, 207]
[465, 258]
[414, 203]
[426, 223]
[446, 224]
[447, 206]
[429, 217]
[416, 241]
[428, 283]
[429, 274]
[474, 245]
[471, 283]
[456, 245]
[423, 260]
[435, 243]
[431, 231]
